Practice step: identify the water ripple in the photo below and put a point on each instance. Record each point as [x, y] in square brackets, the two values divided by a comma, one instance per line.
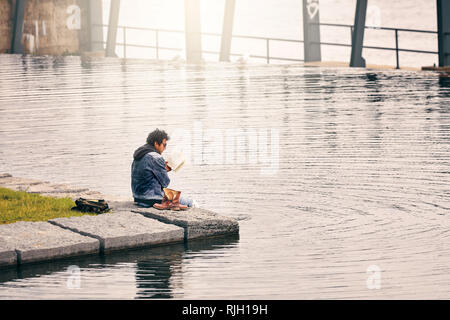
[362, 175]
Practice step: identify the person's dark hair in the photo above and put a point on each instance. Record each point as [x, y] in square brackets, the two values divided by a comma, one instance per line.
[157, 136]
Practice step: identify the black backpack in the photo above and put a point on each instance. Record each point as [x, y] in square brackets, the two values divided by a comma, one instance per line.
[96, 206]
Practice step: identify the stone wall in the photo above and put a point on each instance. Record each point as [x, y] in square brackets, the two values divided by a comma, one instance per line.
[51, 27]
[5, 25]
[48, 27]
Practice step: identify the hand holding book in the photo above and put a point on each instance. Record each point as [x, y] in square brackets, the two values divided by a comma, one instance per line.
[175, 161]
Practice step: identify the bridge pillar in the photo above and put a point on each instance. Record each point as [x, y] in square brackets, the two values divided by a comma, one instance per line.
[112, 29]
[193, 31]
[227, 30]
[311, 31]
[356, 59]
[16, 42]
[443, 17]
[95, 22]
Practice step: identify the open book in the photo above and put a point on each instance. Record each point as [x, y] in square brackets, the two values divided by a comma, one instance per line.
[175, 160]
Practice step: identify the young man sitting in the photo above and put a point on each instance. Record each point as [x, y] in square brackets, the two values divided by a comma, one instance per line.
[149, 172]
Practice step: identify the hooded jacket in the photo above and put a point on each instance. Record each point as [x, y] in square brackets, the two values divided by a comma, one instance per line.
[148, 174]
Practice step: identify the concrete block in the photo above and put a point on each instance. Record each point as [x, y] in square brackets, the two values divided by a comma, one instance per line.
[46, 188]
[119, 205]
[54, 188]
[8, 255]
[75, 195]
[39, 241]
[19, 184]
[197, 222]
[123, 229]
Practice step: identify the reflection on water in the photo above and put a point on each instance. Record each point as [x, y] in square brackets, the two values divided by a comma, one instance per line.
[360, 179]
[141, 273]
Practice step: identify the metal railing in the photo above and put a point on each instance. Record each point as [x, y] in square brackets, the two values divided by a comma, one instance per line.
[157, 47]
[396, 30]
[267, 40]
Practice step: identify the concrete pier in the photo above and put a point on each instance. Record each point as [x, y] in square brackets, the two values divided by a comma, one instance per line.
[126, 226]
[122, 230]
[197, 223]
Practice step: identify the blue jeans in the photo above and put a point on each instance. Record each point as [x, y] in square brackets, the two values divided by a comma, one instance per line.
[149, 203]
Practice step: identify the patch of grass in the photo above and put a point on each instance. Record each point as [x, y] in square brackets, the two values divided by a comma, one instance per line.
[22, 206]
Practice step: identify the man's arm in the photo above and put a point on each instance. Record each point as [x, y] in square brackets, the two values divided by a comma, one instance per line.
[159, 169]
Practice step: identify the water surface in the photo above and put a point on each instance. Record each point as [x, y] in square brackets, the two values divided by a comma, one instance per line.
[354, 174]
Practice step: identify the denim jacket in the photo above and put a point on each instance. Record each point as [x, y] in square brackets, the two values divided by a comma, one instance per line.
[149, 177]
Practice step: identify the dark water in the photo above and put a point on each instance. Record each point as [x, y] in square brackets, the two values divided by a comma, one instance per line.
[335, 173]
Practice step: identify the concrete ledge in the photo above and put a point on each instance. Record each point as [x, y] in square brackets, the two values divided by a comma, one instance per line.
[39, 241]
[339, 64]
[46, 188]
[74, 195]
[435, 68]
[121, 230]
[197, 223]
[54, 188]
[128, 226]
[19, 184]
[36, 186]
[8, 255]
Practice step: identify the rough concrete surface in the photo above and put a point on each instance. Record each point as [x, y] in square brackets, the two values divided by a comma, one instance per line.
[198, 223]
[123, 229]
[8, 254]
[119, 205]
[38, 241]
[18, 184]
[37, 186]
[45, 188]
[75, 195]
[55, 188]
